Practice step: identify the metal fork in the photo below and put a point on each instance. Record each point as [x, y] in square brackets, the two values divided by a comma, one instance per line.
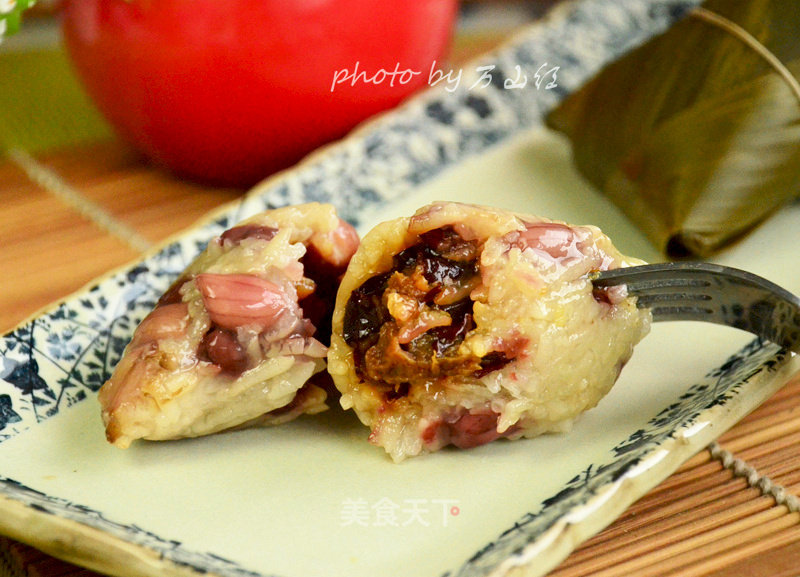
[699, 291]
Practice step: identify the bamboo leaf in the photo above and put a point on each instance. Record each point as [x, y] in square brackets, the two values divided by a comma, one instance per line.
[696, 134]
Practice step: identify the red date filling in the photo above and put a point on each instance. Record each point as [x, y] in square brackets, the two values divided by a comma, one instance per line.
[318, 305]
[405, 326]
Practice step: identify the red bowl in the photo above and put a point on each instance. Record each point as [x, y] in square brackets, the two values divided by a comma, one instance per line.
[228, 92]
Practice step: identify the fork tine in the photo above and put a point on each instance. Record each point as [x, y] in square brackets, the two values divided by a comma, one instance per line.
[663, 274]
[712, 293]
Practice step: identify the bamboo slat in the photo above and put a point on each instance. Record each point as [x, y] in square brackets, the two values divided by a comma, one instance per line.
[770, 432]
[692, 553]
[783, 561]
[135, 192]
[48, 250]
[783, 410]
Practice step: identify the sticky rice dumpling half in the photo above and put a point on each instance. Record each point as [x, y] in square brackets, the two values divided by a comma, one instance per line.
[240, 338]
[465, 324]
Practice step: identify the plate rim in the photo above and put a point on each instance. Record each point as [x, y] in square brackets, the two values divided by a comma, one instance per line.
[685, 442]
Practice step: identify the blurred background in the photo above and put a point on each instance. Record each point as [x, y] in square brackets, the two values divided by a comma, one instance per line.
[77, 200]
[43, 106]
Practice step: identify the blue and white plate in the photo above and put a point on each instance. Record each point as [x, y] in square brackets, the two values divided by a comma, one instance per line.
[312, 498]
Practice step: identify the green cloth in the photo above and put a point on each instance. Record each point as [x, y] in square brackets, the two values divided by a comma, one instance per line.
[42, 104]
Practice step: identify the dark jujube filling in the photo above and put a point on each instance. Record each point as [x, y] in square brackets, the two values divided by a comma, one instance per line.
[440, 265]
[318, 306]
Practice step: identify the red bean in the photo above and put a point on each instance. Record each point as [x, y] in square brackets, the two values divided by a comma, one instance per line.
[223, 349]
[238, 233]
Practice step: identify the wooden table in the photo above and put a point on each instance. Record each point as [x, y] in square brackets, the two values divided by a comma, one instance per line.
[71, 214]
